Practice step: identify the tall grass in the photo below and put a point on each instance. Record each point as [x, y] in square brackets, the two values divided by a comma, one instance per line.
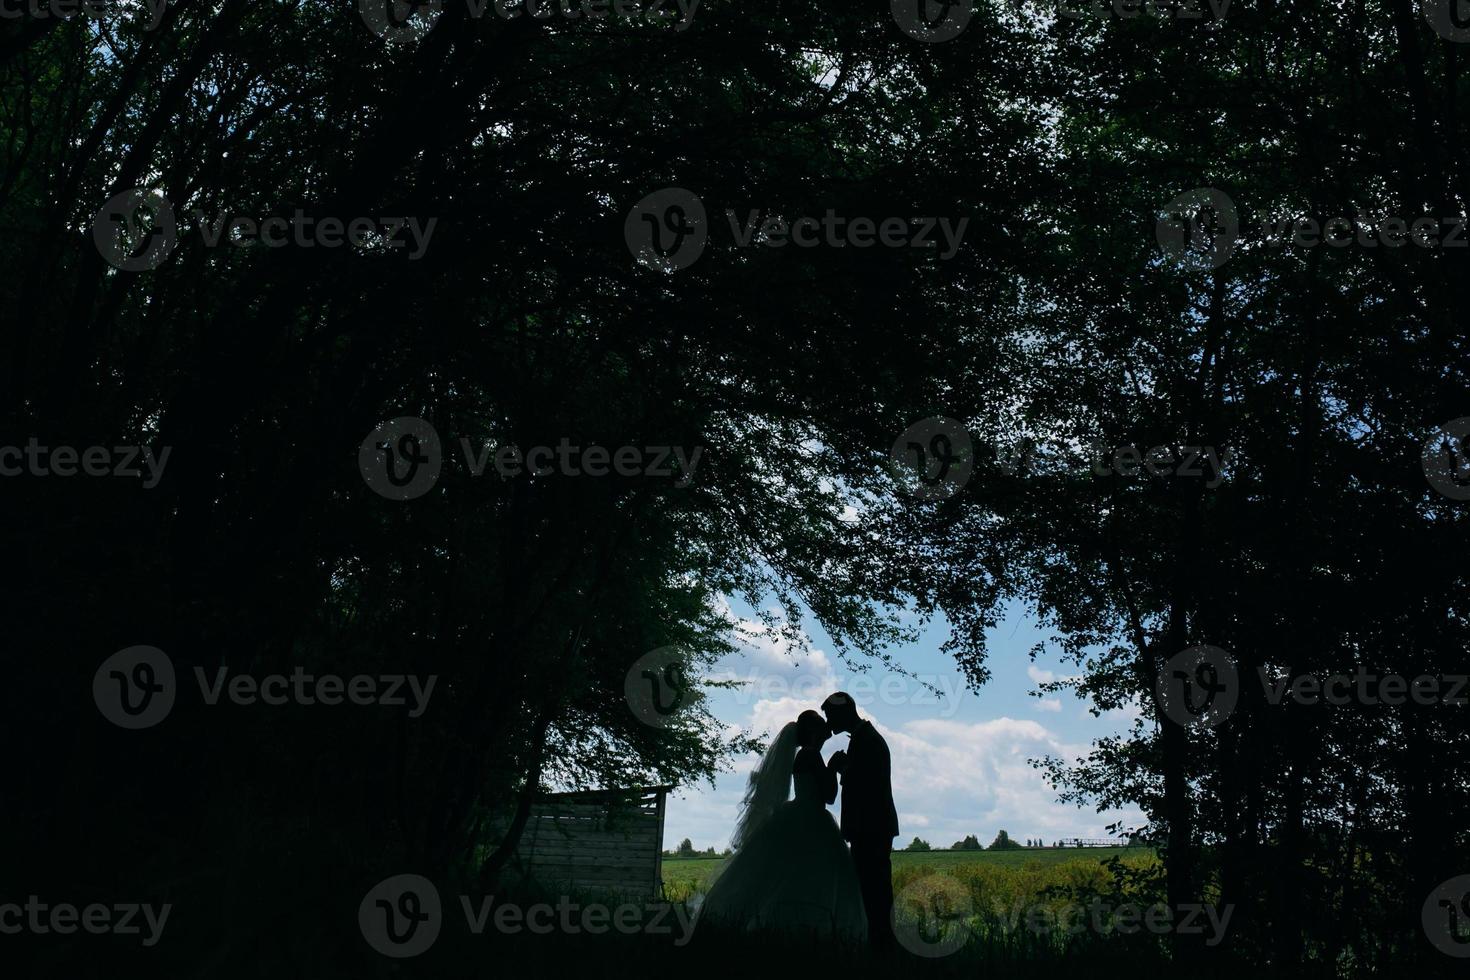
[983, 898]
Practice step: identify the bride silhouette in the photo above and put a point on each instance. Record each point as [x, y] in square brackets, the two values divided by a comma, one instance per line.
[791, 870]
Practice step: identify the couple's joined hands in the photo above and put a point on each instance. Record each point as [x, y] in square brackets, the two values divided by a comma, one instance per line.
[838, 762]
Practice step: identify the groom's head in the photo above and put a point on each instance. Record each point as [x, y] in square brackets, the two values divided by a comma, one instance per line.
[841, 712]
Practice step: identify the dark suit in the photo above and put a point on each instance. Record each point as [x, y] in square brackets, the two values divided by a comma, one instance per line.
[869, 823]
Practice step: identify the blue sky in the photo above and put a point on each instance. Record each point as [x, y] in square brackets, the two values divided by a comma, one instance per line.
[959, 758]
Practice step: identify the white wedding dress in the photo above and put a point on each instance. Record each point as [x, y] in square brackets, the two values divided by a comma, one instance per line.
[791, 870]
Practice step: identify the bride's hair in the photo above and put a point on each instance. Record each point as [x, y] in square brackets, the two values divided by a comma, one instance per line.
[812, 727]
[769, 786]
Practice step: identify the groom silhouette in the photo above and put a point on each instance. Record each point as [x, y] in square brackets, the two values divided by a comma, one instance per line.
[869, 820]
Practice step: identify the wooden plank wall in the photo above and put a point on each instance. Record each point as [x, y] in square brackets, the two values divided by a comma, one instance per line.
[597, 842]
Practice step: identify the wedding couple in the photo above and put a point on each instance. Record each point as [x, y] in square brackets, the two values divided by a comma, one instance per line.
[791, 869]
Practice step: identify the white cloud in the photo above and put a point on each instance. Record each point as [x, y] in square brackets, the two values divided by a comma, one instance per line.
[975, 779]
[1040, 676]
[950, 779]
[1127, 714]
[764, 650]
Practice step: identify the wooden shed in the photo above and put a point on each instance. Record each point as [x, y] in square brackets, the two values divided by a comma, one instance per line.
[597, 840]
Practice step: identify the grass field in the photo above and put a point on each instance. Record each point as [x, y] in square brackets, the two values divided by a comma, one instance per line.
[991, 875]
[980, 899]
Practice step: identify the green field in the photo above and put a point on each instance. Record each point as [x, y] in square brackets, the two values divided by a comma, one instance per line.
[1006, 875]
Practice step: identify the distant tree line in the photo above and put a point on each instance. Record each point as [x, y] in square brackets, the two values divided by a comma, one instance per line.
[686, 850]
[1002, 842]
